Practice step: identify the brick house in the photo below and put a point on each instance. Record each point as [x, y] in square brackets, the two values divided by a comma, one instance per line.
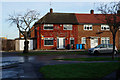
[59, 30]
[92, 31]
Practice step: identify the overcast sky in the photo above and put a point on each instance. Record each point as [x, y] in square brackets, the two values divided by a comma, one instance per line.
[42, 6]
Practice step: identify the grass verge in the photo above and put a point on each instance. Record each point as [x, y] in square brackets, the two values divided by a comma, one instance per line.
[119, 51]
[79, 70]
[91, 59]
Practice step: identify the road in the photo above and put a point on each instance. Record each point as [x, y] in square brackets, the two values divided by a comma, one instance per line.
[29, 65]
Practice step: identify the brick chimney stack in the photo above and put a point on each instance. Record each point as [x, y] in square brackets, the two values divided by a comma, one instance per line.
[51, 10]
[91, 11]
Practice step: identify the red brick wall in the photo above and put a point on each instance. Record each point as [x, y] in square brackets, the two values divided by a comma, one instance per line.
[32, 32]
[118, 39]
[56, 32]
[92, 33]
[77, 33]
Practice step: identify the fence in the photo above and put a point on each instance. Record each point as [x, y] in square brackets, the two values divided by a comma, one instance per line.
[0, 44]
[8, 45]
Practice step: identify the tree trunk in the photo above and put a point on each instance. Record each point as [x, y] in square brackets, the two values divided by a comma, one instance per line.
[113, 46]
[26, 42]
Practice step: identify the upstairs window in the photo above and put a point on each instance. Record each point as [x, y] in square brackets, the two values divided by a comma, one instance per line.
[105, 27]
[67, 27]
[87, 27]
[48, 26]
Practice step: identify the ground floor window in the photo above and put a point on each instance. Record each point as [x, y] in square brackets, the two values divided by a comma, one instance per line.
[105, 40]
[48, 41]
[71, 40]
[83, 40]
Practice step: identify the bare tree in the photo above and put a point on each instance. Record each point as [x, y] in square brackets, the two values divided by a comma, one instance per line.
[24, 23]
[111, 13]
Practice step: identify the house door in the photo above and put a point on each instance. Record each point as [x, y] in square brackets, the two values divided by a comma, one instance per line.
[94, 42]
[61, 43]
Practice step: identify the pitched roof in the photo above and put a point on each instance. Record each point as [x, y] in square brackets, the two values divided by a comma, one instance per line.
[58, 18]
[95, 18]
[73, 18]
[90, 18]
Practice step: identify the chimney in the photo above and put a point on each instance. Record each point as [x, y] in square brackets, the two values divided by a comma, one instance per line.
[91, 11]
[118, 12]
[51, 10]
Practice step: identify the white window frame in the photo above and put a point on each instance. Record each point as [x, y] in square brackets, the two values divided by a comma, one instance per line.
[71, 38]
[105, 38]
[82, 40]
[105, 26]
[48, 25]
[48, 39]
[88, 25]
[68, 25]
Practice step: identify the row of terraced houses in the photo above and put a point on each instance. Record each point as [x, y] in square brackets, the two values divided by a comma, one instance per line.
[58, 30]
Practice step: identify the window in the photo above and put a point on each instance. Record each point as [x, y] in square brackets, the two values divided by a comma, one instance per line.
[110, 46]
[104, 46]
[48, 41]
[87, 27]
[105, 27]
[67, 27]
[105, 40]
[71, 40]
[48, 26]
[83, 40]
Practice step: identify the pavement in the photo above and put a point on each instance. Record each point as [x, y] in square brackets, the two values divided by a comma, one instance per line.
[28, 71]
[111, 76]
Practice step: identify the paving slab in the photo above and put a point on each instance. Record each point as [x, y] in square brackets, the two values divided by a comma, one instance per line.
[28, 71]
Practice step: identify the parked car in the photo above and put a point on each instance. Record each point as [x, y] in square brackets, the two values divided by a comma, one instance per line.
[102, 48]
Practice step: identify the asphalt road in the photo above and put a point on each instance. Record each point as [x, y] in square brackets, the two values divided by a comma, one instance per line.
[29, 65]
